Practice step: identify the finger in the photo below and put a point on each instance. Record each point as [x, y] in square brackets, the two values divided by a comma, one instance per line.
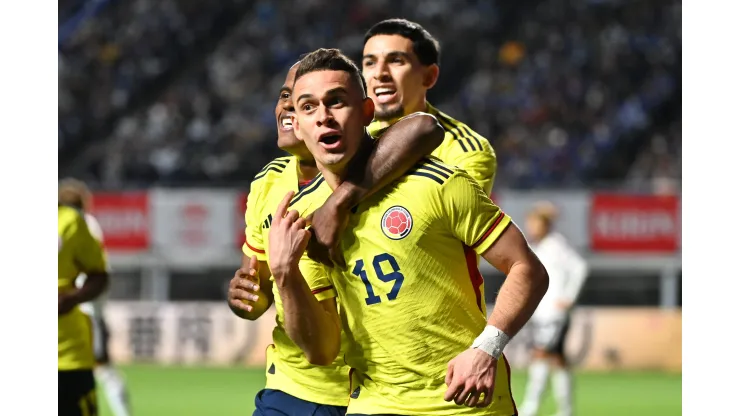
[460, 398]
[244, 295]
[291, 217]
[299, 224]
[309, 220]
[246, 273]
[254, 264]
[488, 391]
[305, 238]
[236, 304]
[450, 373]
[248, 285]
[472, 400]
[282, 208]
[453, 390]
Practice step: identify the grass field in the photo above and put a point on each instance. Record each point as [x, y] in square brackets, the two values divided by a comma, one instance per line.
[188, 391]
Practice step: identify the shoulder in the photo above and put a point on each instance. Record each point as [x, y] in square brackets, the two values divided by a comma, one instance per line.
[315, 192]
[272, 172]
[461, 138]
[95, 229]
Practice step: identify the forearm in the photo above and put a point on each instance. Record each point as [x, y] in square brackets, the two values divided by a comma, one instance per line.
[94, 286]
[307, 322]
[522, 291]
[397, 151]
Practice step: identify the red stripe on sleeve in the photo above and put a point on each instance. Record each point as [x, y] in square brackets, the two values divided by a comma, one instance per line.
[490, 230]
[476, 279]
[321, 289]
[256, 250]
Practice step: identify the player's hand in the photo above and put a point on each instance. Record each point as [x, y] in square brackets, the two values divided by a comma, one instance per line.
[66, 303]
[288, 239]
[244, 287]
[327, 225]
[470, 375]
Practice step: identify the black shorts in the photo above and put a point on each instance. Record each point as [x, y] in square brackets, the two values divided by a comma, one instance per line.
[77, 393]
[550, 336]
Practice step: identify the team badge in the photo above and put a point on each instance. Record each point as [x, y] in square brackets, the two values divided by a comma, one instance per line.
[396, 223]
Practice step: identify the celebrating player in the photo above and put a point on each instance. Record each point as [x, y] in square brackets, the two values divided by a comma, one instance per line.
[113, 384]
[294, 386]
[79, 252]
[411, 309]
[551, 320]
[400, 64]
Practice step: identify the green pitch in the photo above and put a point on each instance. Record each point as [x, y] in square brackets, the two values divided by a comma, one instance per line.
[188, 391]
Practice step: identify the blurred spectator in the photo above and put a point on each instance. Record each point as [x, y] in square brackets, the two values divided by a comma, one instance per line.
[553, 96]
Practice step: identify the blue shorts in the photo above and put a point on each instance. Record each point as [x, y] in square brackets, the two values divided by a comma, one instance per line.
[276, 403]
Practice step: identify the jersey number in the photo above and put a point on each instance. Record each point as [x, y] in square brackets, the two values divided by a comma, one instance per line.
[395, 276]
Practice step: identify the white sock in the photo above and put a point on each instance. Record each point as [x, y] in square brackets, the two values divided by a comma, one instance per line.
[115, 389]
[562, 385]
[536, 385]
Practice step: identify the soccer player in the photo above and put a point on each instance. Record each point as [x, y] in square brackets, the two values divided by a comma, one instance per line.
[113, 384]
[400, 64]
[294, 386]
[79, 252]
[551, 320]
[415, 331]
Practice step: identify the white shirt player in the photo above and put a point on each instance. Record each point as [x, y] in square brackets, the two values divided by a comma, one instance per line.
[95, 307]
[567, 270]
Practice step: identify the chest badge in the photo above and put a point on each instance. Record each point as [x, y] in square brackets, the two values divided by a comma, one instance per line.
[396, 223]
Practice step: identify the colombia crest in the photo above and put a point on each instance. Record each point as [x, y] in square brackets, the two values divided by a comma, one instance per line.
[396, 223]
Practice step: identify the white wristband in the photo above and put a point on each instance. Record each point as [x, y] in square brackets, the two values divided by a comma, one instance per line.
[492, 340]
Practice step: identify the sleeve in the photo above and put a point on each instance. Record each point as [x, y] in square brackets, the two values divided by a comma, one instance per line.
[576, 270]
[89, 254]
[254, 244]
[318, 278]
[480, 165]
[470, 214]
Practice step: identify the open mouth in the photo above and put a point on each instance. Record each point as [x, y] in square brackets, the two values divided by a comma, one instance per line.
[285, 123]
[330, 140]
[385, 94]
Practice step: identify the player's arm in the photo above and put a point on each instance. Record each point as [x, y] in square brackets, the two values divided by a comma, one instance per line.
[90, 259]
[250, 290]
[401, 146]
[481, 225]
[309, 306]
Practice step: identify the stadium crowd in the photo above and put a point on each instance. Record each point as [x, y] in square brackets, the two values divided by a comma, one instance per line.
[554, 94]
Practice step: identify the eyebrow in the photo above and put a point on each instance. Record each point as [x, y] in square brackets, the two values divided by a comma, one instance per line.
[285, 88]
[391, 53]
[331, 92]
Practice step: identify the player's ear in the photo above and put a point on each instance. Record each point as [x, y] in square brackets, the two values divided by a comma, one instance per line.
[368, 111]
[294, 122]
[431, 74]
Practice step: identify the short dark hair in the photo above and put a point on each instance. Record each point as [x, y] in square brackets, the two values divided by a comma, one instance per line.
[330, 60]
[426, 47]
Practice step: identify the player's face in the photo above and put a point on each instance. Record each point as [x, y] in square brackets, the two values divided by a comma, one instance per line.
[536, 227]
[283, 110]
[331, 115]
[396, 80]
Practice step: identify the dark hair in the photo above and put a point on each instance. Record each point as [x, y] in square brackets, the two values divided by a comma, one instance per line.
[425, 46]
[330, 60]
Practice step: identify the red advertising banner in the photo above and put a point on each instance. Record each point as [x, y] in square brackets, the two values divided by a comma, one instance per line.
[634, 223]
[124, 218]
[241, 209]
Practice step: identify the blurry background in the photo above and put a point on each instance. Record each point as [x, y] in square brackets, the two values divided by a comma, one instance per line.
[166, 108]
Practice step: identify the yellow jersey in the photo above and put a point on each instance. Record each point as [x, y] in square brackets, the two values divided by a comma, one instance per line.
[79, 252]
[287, 369]
[410, 296]
[461, 147]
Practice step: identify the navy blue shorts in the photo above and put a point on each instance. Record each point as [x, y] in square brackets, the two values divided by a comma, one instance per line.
[276, 403]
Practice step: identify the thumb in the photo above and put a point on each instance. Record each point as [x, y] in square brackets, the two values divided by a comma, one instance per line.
[254, 264]
[309, 220]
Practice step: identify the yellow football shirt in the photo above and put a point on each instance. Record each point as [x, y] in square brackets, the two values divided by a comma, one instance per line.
[287, 369]
[79, 252]
[410, 296]
[461, 147]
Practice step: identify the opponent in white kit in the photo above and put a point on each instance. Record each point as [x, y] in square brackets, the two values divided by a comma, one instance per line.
[551, 319]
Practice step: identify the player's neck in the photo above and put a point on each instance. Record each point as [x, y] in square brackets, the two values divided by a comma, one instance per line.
[307, 170]
[335, 177]
[420, 106]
